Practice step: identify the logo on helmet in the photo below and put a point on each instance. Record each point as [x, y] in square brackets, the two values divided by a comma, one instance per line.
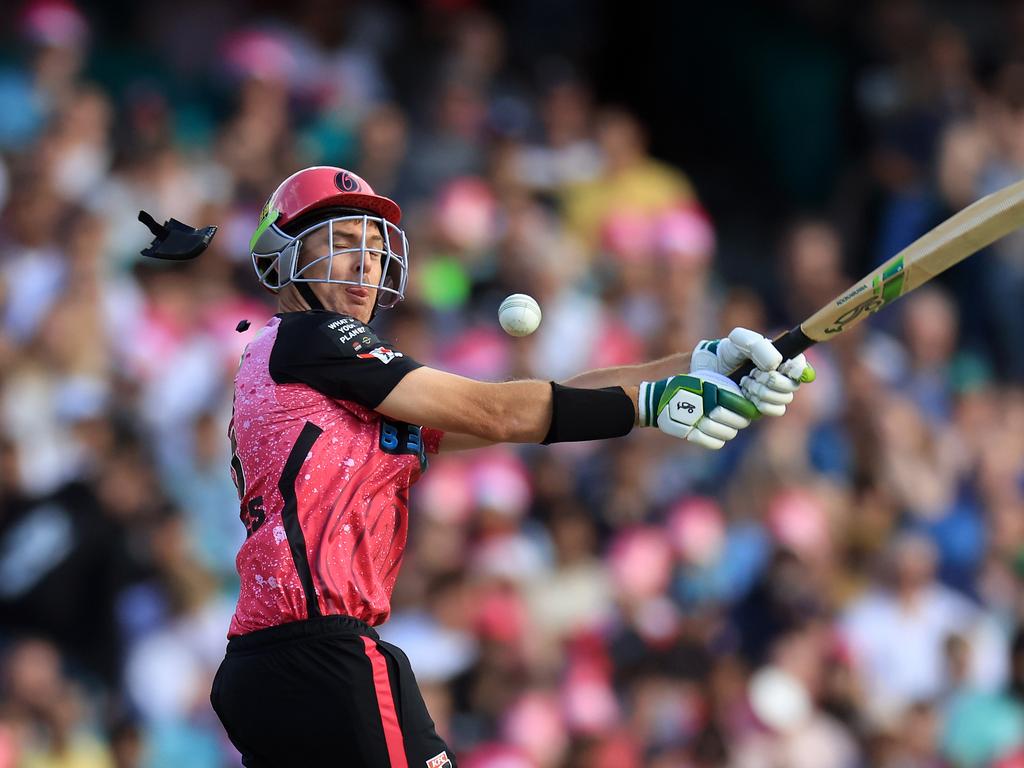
[346, 182]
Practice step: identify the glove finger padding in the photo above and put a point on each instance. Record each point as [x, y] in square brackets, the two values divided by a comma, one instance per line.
[730, 417]
[709, 425]
[728, 354]
[798, 369]
[704, 440]
[756, 348]
[768, 409]
[769, 386]
[772, 391]
[736, 410]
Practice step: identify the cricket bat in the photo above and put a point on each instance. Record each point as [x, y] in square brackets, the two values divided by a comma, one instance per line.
[965, 233]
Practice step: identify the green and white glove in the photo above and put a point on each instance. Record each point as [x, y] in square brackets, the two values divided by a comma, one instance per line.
[771, 384]
[726, 355]
[772, 391]
[707, 409]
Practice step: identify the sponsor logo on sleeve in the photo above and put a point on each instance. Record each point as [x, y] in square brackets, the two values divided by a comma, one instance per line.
[383, 354]
[439, 761]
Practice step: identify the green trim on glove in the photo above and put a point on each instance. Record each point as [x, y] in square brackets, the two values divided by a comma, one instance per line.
[736, 403]
[713, 396]
[652, 394]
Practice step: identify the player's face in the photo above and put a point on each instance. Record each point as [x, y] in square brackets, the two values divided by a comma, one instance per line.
[357, 301]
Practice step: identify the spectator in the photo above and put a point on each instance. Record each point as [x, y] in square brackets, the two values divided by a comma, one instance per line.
[631, 179]
[897, 633]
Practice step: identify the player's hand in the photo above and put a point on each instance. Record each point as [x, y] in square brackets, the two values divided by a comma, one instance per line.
[772, 391]
[707, 409]
[726, 355]
[773, 381]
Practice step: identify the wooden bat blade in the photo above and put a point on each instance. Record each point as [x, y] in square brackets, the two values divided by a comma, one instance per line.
[963, 234]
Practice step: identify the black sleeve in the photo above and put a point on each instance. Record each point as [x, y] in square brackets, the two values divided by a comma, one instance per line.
[337, 355]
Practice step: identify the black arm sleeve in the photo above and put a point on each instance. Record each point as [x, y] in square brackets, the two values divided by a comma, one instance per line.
[588, 414]
[337, 355]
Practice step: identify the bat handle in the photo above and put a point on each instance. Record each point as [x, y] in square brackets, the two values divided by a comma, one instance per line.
[790, 344]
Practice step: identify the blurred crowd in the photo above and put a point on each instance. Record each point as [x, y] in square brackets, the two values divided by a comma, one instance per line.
[838, 588]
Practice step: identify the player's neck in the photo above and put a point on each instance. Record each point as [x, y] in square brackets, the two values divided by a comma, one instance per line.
[288, 301]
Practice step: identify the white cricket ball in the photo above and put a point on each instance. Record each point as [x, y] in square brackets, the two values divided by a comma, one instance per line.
[519, 314]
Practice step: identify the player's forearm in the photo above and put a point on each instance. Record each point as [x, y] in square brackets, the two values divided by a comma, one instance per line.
[508, 412]
[521, 412]
[455, 441]
[631, 375]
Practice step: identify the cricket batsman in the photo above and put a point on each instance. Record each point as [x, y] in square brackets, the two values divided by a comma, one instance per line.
[332, 425]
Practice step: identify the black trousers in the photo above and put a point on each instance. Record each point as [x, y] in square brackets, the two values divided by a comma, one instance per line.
[324, 692]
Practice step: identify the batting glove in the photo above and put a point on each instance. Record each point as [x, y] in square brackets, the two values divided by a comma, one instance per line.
[707, 410]
[773, 381]
[772, 391]
[726, 355]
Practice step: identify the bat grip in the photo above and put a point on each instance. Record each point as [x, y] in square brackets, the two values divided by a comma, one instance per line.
[790, 344]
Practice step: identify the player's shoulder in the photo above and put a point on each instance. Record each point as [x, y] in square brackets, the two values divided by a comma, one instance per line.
[338, 355]
[319, 333]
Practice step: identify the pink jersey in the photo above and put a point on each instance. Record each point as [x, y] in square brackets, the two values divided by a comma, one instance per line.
[323, 479]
